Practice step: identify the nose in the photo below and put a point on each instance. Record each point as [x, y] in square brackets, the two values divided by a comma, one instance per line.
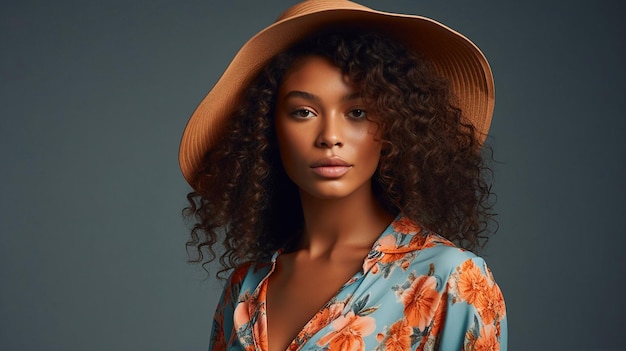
[330, 132]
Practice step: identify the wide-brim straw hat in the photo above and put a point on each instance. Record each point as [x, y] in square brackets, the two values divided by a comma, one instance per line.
[450, 54]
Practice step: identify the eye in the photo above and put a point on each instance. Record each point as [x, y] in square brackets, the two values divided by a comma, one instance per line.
[302, 113]
[357, 114]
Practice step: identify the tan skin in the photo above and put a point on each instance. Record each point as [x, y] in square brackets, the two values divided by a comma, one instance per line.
[330, 149]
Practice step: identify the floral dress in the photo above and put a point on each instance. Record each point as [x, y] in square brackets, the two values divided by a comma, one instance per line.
[416, 291]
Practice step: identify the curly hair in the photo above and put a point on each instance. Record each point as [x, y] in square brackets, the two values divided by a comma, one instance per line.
[432, 167]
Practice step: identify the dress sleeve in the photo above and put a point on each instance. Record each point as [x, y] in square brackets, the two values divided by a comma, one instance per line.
[475, 314]
[218, 334]
[222, 329]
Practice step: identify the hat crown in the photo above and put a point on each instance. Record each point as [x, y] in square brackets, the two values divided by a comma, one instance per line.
[313, 6]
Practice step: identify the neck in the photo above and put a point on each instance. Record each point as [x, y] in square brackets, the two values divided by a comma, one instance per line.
[351, 222]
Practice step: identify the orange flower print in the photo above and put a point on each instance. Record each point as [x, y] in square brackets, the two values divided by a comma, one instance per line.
[440, 316]
[235, 280]
[472, 284]
[322, 319]
[387, 244]
[420, 301]
[406, 226]
[399, 336]
[259, 329]
[348, 333]
[380, 337]
[486, 341]
[241, 315]
[375, 269]
[433, 240]
[491, 305]
[417, 241]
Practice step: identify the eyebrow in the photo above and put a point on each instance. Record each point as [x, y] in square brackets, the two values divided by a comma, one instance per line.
[311, 97]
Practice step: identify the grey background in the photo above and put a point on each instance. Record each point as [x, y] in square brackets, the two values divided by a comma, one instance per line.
[94, 96]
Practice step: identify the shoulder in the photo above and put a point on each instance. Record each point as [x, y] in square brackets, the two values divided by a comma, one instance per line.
[449, 261]
[416, 250]
[244, 279]
[444, 255]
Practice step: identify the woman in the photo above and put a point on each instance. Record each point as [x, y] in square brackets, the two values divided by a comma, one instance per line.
[338, 160]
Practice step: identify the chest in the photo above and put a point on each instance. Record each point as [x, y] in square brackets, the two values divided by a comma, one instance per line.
[298, 289]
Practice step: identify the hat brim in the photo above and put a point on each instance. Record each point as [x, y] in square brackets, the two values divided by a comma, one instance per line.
[450, 54]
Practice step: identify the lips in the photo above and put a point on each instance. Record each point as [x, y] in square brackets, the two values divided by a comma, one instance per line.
[332, 167]
[330, 162]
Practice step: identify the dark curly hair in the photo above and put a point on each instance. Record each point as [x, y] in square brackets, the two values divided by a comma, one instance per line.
[432, 167]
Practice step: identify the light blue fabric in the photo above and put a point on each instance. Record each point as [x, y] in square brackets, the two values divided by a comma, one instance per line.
[416, 291]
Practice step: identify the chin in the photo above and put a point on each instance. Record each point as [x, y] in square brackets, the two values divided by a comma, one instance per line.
[329, 192]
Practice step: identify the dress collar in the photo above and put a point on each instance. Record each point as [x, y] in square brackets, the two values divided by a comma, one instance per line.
[401, 236]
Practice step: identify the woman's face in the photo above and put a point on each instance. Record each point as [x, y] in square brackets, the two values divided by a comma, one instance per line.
[328, 144]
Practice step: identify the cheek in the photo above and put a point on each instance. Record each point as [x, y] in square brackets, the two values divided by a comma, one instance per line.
[372, 152]
[289, 144]
[367, 142]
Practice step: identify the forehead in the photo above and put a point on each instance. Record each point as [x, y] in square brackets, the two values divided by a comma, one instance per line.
[315, 72]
